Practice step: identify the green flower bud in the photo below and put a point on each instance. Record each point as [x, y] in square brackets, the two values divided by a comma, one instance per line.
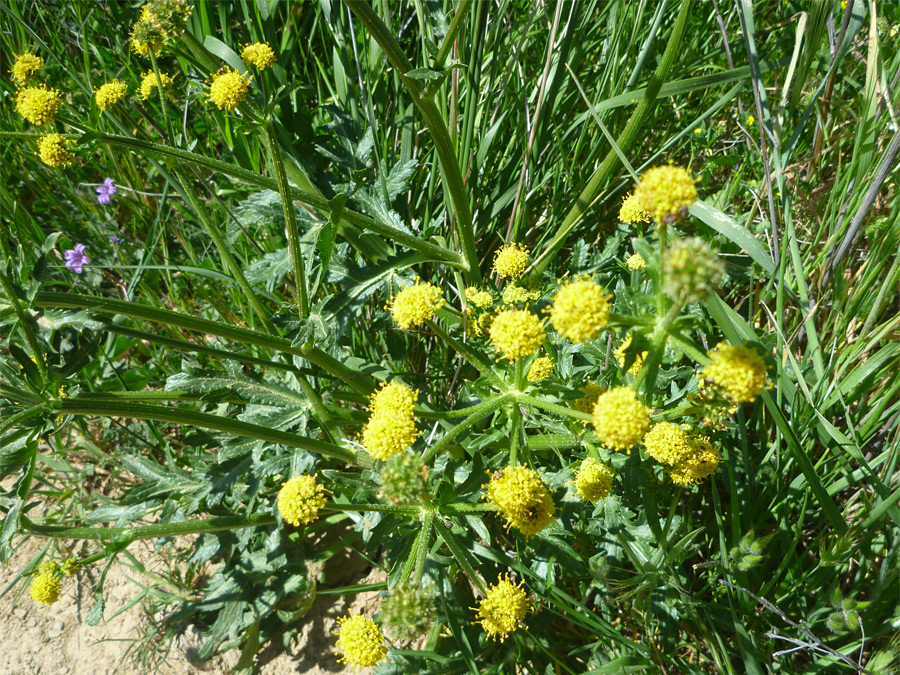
[691, 270]
[404, 479]
[409, 610]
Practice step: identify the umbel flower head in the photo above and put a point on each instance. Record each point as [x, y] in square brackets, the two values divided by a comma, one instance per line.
[636, 262]
[700, 462]
[591, 391]
[668, 443]
[517, 333]
[258, 54]
[300, 500]
[522, 291]
[666, 193]
[408, 610]
[56, 150]
[149, 84]
[503, 608]
[511, 261]
[38, 105]
[631, 212]
[416, 304]
[25, 67]
[594, 479]
[739, 373]
[228, 88]
[522, 498]
[169, 16]
[392, 423]
[691, 270]
[107, 95]
[479, 298]
[360, 640]
[541, 368]
[146, 36]
[620, 420]
[580, 310]
[45, 587]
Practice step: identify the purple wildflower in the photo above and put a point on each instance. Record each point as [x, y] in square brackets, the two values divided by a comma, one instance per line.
[76, 259]
[115, 239]
[105, 191]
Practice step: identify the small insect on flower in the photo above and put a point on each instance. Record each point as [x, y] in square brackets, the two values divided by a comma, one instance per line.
[361, 641]
[300, 500]
[522, 498]
[110, 94]
[228, 88]
[620, 419]
[517, 333]
[416, 304]
[511, 261]
[105, 191]
[541, 368]
[503, 608]
[39, 105]
[76, 259]
[258, 54]
[580, 310]
[739, 373]
[149, 84]
[594, 479]
[666, 193]
[56, 150]
[25, 67]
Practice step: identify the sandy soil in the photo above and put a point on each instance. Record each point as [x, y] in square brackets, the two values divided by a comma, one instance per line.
[55, 640]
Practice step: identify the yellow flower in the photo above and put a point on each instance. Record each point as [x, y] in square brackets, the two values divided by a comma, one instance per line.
[55, 150]
[522, 498]
[258, 54]
[591, 391]
[594, 480]
[522, 292]
[485, 321]
[750, 120]
[146, 35]
[360, 640]
[738, 373]
[620, 420]
[149, 84]
[698, 130]
[636, 262]
[666, 193]
[668, 443]
[38, 105]
[478, 298]
[621, 353]
[580, 310]
[25, 67]
[300, 500]
[541, 368]
[503, 608]
[392, 424]
[631, 212]
[416, 304]
[229, 88]
[701, 462]
[45, 587]
[511, 261]
[110, 93]
[167, 16]
[517, 333]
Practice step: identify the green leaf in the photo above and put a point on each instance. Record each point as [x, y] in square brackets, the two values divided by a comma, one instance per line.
[727, 227]
[224, 52]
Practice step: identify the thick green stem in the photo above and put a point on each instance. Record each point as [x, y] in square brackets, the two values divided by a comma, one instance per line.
[146, 531]
[515, 421]
[633, 129]
[552, 407]
[469, 355]
[356, 380]
[443, 145]
[459, 554]
[479, 412]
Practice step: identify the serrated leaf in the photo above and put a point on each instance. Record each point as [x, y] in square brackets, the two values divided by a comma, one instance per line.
[198, 381]
[398, 177]
[96, 614]
[423, 74]
[270, 269]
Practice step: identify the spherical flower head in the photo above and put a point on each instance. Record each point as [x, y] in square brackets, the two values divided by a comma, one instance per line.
[416, 304]
[522, 498]
[631, 212]
[300, 499]
[409, 610]
[383, 436]
[109, 94]
[503, 608]
[404, 479]
[739, 373]
[691, 269]
[361, 641]
[593, 480]
[541, 368]
[580, 310]
[393, 399]
[621, 354]
[666, 193]
[39, 105]
[511, 261]
[46, 587]
[56, 150]
[701, 462]
[479, 298]
[620, 419]
[168, 16]
[228, 88]
[25, 67]
[146, 36]
[258, 54]
[517, 333]
[591, 391]
[149, 84]
[522, 292]
[636, 262]
[668, 443]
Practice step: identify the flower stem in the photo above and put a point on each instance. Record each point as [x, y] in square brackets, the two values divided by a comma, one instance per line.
[469, 355]
[130, 534]
[552, 407]
[479, 412]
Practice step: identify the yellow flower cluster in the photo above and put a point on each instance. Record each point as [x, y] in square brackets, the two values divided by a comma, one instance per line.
[522, 498]
[149, 84]
[160, 20]
[620, 419]
[593, 480]
[392, 422]
[109, 94]
[55, 150]
[700, 463]
[25, 67]
[229, 88]
[511, 261]
[258, 54]
[416, 304]
[478, 298]
[517, 333]
[689, 458]
[580, 310]
[503, 608]
[45, 587]
[739, 373]
[522, 291]
[636, 262]
[631, 212]
[39, 105]
[666, 193]
[667, 443]
[300, 500]
[361, 641]
[621, 353]
[591, 391]
[541, 368]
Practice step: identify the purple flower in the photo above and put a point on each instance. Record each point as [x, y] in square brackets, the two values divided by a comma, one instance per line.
[115, 239]
[76, 259]
[105, 191]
